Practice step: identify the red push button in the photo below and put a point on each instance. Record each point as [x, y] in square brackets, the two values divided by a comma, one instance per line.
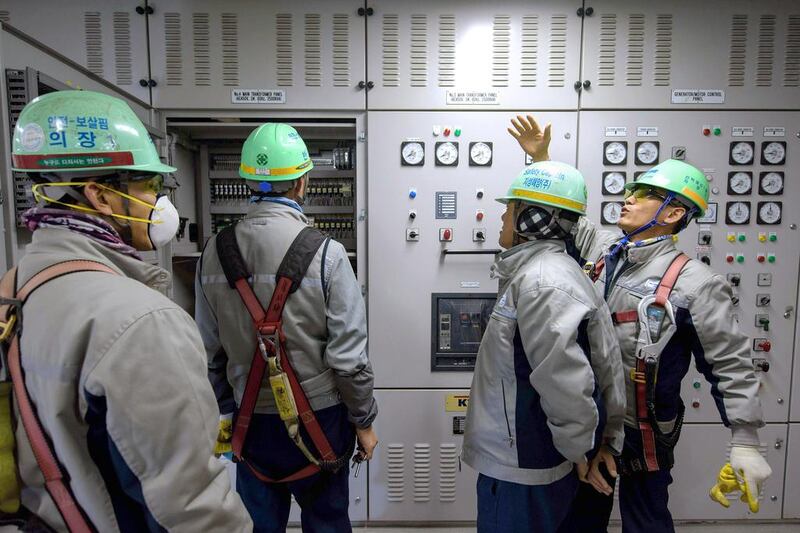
[765, 346]
[729, 258]
[696, 404]
[479, 215]
[706, 131]
[761, 258]
[445, 234]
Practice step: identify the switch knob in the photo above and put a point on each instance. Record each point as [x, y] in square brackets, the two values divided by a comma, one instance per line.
[761, 364]
[765, 346]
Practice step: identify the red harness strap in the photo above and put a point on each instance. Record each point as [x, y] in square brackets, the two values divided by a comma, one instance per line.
[55, 482]
[648, 436]
[594, 275]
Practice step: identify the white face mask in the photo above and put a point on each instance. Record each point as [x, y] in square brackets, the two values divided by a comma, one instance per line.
[164, 222]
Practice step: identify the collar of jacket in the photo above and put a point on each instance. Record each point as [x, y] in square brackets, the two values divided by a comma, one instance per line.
[66, 245]
[643, 254]
[274, 209]
[507, 263]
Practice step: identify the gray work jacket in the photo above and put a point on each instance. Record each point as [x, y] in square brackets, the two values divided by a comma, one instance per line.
[324, 320]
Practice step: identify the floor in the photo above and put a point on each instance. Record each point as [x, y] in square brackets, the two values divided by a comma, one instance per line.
[718, 527]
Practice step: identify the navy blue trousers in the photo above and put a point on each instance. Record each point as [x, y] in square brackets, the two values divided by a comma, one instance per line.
[323, 497]
[505, 507]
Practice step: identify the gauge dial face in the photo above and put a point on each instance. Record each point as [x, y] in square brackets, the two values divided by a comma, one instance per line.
[615, 152]
[741, 153]
[480, 154]
[412, 153]
[613, 182]
[740, 183]
[611, 212]
[771, 183]
[769, 212]
[646, 152]
[773, 153]
[446, 154]
[738, 213]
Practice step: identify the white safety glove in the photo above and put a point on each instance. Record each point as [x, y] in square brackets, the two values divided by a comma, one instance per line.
[751, 469]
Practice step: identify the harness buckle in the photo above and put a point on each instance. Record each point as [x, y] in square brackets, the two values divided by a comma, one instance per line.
[268, 344]
[637, 377]
[8, 327]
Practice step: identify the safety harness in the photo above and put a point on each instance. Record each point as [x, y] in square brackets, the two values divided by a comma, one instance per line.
[652, 340]
[270, 354]
[11, 303]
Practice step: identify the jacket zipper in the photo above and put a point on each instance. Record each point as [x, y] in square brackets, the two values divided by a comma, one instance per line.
[505, 413]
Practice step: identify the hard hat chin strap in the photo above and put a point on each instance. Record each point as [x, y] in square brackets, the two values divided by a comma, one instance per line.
[653, 222]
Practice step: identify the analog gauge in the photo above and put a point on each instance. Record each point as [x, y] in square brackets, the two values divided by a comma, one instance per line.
[613, 182]
[741, 153]
[738, 213]
[740, 183]
[615, 153]
[770, 183]
[769, 212]
[447, 154]
[646, 152]
[480, 154]
[412, 154]
[611, 212]
[773, 153]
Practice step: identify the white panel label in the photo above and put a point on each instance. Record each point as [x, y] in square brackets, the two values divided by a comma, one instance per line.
[742, 131]
[698, 96]
[473, 98]
[470, 284]
[647, 131]
[774, 131]
[616, 131]
[258, 96]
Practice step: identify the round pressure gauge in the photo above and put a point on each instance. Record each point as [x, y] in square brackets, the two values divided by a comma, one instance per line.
[611, 212]
[412, 153]
[740, 183]
[615, 153]
[646, 153]
[738, 213]
[446, 154]
[773, 153]
[613, 182]
[771, 183]
[769, 212]
[741, 153]
[480, 154]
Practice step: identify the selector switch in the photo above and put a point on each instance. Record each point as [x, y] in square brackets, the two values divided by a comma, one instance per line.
[762, 300]
[478, 234]
[735, 300]
[705, 258]
[760, 364]
[412, 234]
[762, 321]
[734, 278]
[412, 214]
[704, 238]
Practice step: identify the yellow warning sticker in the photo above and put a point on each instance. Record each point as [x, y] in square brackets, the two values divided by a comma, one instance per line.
[456, 402]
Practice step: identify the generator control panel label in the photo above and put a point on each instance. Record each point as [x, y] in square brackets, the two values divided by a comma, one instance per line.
[258, 96]
[456, 403]
[698, 96]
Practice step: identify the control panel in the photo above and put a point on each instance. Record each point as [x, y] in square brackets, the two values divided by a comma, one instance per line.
[458, 321]
[747, 234]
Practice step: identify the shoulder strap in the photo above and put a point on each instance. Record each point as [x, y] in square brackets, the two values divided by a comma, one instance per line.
[670, 277]
[54, 478]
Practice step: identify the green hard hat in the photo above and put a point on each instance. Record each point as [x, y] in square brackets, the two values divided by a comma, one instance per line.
[549, 183]
[687, 182]
[274, 152]
[80, 131]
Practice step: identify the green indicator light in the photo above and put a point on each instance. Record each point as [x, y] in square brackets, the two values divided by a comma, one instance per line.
[457, 133]
[773, 238]
[717, 131]
[696, 384]
[740, 258]
[742, 237]
[771, 258]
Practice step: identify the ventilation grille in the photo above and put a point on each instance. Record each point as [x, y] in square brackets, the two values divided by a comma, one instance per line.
[448, 465]
[501, 46]
[447, 50]
[5, 16]
[422, 472]
[419, 50]
[341, 50]
[283, 47]
[791, 65]
[395, 470]
[634, 62]
[663, 58]
[606, 60]
[556, 71]
[766, 51]
[530, 50]
[738, 52]
[230, 49]
[94, 41]
[313, 50]
[391, 51]
[200, 43]
[173, 49]
[123, 66]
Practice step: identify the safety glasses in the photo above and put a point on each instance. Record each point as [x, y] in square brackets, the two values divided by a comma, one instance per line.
[645, 192]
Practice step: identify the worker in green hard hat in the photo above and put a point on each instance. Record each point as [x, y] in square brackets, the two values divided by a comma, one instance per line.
[548, 379]
[114, 368]
[279, 308]
[666, 309]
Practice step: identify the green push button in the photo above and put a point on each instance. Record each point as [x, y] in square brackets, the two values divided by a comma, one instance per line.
[771, 258]
[717, 131]
[773, 237]
[740, 258]
[457, 132]
[742, 237]
[696, 384]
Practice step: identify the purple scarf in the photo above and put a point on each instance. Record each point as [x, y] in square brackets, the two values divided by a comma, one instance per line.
[93, 227]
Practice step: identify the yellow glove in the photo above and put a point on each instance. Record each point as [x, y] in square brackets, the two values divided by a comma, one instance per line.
[726, 482]
[752, 471]
[224, 435]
